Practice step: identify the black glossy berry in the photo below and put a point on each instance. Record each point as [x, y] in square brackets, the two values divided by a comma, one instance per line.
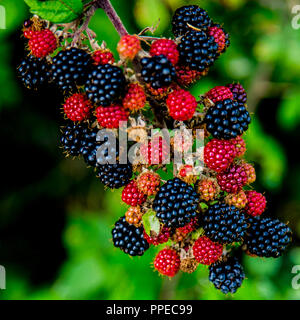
[267, 237]
[198, 50]
[227, 119]
[175, 203]
[95, 151]
[191, 15]
[71, 137]
[158, 71]
[105, 84]
[34, 72]
[116, 175]
[129, 238]
[224, 224]
[227, 276]
[70, 68]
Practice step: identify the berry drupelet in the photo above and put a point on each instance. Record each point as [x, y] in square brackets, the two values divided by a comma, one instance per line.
[158, 71]
[129, 238]
[175, 203]
[227, 276]
[105, 83]
[223, 223]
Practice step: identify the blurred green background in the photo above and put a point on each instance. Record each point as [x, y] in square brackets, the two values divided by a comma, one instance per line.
[55, 218]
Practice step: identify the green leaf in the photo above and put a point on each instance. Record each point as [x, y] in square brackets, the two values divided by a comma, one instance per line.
[197, 234]
[151, 222]
[56, 11]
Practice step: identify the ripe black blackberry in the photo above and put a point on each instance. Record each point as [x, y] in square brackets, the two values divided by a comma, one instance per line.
[224, 224]
[115, 176]
[70, 68]
[97, 152]
[227, 276]
[227, 119]
[192, 15]
[158, 71]
[175, 203]
[267, 237]
[198, 50]
[34, 72]
[71, 138]
[105, 84]
[129, 238]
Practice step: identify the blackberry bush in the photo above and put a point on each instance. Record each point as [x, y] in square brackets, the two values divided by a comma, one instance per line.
[208, 216]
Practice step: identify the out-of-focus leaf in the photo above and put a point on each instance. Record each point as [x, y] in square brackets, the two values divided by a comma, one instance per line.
[151, 223]
[149, 15]
[289, 111]
[57, 11]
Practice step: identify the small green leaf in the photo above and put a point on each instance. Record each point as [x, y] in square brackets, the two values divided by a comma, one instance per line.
[198, 233]
[56, 11]
[151, 222]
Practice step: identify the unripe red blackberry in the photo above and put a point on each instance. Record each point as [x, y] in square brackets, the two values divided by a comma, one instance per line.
[219, 37]
[187, 76]
[110, 117]
[207, 188]
[156, 151]
[219, 93]
[256, 203]
[181, 105]
[219, 154]
[103, 56]
[134, 216]
[167, 262]
[135, 97]
[77, 107]
[233, 179]
[148, 182]
[162, 237]
[187, 174]
[132, 196]
[42, 43]
[28, 33]
[240, 146]
[206, 251]
[239, 200]
[166, 47]
[239, 93]
[129, 46]
[182, 232]
[250, 171]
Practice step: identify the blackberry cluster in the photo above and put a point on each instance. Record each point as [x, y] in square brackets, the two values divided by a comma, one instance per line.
[267, 237]
[198, 50]
[224, 224]
[158, 71]
[105, 84]
[227, 276]
[129, 238]
[175, 203]
[115, 176]
[34, 72]
[227, 119]
[70, 68]
[191, 15]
